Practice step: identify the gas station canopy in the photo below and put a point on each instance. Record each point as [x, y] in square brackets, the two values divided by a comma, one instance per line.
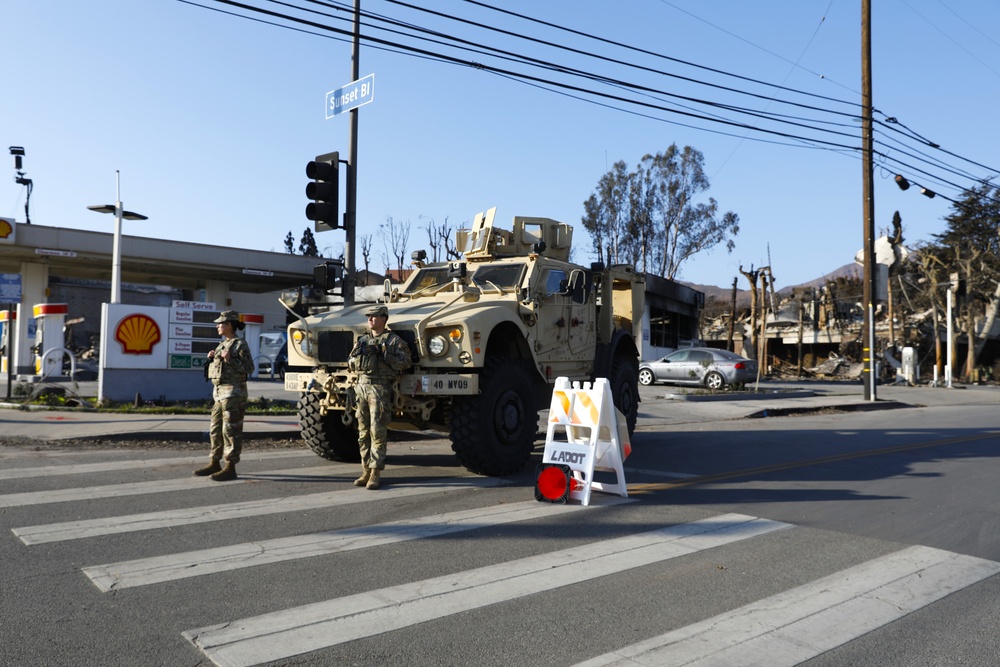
[84, 254]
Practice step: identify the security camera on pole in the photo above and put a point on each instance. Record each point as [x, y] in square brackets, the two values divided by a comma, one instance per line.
[18, 153]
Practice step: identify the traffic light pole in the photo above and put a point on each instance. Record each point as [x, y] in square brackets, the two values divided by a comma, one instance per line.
[350, 215]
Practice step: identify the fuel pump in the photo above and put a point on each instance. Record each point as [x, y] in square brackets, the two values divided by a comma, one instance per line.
[251, 334]
[50, 319]
[8, 331]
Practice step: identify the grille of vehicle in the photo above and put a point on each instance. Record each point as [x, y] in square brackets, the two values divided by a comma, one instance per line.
[410, 338]
[335, 346]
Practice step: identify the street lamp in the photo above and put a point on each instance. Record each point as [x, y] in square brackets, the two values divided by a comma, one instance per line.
[904, 184]
[116, 265]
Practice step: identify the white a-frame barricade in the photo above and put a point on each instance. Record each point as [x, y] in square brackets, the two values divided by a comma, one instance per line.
[585, 433]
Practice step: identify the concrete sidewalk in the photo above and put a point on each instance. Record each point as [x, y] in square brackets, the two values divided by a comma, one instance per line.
[48, 424]
[661, 407]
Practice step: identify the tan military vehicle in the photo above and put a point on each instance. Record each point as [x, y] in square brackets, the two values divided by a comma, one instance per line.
[488, 335]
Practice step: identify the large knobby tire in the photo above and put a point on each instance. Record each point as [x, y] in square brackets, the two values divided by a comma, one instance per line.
[327, 436]
[494, 433]
[625, 389]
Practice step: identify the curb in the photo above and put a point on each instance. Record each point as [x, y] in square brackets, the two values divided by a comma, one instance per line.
[755, 396]
[179, 436]
[846, 407]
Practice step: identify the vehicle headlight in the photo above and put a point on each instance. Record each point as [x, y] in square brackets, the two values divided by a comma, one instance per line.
[437, 345]
[301, 341]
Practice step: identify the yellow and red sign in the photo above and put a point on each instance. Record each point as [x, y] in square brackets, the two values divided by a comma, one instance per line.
[138, 333]
[7, 230]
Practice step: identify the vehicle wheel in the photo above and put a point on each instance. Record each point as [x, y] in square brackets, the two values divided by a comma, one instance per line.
[624, 390]
[646, 377]
[494, 433]
[327, 436]
[715, 381]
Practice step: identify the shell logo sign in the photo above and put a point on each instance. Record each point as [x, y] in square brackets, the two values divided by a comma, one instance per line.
[6, 230]
[137, 334]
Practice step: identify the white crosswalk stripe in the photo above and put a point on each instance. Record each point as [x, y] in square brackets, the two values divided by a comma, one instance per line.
[131, 464]
[74, 530]
[291, 632]
[160, 486]
[800, 624]
[781, 629]
[146, 571]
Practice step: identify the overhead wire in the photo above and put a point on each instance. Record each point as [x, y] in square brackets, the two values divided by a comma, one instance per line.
[559, 84]
[541, 86]
[737, 109]
[578, 92]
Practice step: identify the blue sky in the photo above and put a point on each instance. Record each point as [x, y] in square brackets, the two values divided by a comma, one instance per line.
[211, 118]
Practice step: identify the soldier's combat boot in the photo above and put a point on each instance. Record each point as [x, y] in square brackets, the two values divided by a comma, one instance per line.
[210, 469]
[373, 479]
[365, 475]
[226, 474]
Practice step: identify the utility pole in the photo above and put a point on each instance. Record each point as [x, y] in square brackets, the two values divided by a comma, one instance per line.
[350, 226]
[869, 373]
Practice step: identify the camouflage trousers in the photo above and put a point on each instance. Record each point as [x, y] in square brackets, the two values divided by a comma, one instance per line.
[374, 412]
[226, 430]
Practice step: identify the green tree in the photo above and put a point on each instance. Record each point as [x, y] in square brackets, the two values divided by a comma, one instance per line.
[290, 243]
[307, 245]
[605, 213]
[655, 217]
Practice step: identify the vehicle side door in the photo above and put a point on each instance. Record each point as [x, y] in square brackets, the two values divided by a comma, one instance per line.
[699, 363]
[673, 366]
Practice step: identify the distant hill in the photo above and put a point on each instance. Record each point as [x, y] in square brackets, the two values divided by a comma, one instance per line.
[724, 294]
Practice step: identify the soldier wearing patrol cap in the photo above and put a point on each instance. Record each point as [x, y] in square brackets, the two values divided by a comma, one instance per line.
[378, 357]
[229, 365]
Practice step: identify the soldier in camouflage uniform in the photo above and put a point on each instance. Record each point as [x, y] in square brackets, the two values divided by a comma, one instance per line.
[229, 364]
[377, 357]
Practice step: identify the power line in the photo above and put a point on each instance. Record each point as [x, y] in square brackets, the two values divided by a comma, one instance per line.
[609, 100]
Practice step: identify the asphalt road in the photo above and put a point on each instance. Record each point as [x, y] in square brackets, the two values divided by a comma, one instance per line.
[843, 538]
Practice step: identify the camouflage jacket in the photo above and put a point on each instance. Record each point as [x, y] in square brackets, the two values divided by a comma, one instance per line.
[235, 369]
[379, 359]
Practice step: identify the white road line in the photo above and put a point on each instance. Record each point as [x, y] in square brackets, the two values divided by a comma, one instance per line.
[107, 466]
[157, 569]
[800, 624]
[661, 473]
[162, 486]
[74, 530]
[299, 630]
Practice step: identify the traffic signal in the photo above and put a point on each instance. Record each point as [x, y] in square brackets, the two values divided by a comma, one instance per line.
[324, 191]
[328, 275]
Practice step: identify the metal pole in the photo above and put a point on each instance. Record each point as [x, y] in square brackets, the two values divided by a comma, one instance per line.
[948, 366]
[9, 341]
[352, 170]
[868, 196]
[116, 262]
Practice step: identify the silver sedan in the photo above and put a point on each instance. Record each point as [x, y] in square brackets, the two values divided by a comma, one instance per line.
[699, 366]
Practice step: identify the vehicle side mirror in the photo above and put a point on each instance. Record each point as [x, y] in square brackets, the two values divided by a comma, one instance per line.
[578, 286]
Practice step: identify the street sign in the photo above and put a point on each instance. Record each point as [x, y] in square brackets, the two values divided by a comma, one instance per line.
[351, 96]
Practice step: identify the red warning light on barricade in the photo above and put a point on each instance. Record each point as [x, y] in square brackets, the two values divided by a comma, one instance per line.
[554, 483]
